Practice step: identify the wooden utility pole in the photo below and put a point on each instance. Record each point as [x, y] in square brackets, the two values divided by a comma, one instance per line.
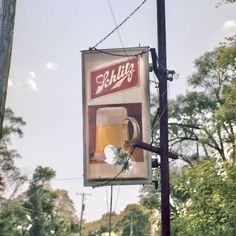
[82, 212]
[7, 18]
[131, 226]
[110, 214]
[163, 111]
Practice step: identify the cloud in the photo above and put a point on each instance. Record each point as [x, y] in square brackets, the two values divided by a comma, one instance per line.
[10, 83]
[52, 66]
[229, 24]
[19, 83]
[32, 74]
[32, 84]
[31, 81]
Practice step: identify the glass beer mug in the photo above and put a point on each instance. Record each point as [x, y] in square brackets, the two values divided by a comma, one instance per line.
[112, 129]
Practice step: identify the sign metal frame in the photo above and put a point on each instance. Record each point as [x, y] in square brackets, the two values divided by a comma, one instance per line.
[110, 81]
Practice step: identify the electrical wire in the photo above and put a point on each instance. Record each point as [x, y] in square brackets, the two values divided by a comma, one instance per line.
[107, 200]
[116, 198]
[115, 23]
[22, 207]
[125, 164]
[61, 179]
[68, 179]
[118, 26]
[154, 124]
[110, 180]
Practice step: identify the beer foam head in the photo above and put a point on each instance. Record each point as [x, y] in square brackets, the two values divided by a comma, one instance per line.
[111, 115]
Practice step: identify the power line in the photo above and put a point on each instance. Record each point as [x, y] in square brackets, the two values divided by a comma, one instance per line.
[118, 26]
[61, 179]
[68, 179]
[117, 198]
[115, 22]
[112, 179]
[22, 207]
[107, 202]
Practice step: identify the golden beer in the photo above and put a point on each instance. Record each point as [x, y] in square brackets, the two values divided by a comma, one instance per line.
[110, 128]
[110, 134]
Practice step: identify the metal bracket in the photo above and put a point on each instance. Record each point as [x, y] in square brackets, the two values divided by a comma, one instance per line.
[169, 74]
[154, 149]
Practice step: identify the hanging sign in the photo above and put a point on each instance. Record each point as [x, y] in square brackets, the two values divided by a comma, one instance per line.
[115, 116]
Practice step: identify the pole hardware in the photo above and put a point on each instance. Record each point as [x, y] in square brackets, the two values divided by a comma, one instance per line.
[158, 70]
[156, 184]
[154, 149]
[155, 163]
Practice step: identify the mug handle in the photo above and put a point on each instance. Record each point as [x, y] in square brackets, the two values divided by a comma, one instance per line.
[136, 129]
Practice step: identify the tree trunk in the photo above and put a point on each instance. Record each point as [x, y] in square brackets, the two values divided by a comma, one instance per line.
[7, 17]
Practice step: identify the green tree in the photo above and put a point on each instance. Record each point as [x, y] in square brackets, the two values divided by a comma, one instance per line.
[38, 211]
[202, 128]
[39, 201]
[209, 206]
[101, 225]
[65, 219]
[150, 195]
[227, 1]
[134, 220]
[50, 212]
[194, 124]
[226, 115]
[14, 219]
[11, 177]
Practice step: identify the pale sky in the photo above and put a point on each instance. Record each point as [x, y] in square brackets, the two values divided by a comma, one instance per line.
[45, 76]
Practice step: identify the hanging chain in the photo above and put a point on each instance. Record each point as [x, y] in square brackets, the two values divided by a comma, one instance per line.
[122, 55]
[118, 26]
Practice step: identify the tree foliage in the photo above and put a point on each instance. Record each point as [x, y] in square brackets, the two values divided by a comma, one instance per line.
[65, 219]
[100, 226]
[11, 177]
[209, 203]
[13, 218]
[39, 201]
[134, 220]
[202, 129]
[40, 210]
[202, 122]
[150, 195]
[226, 1]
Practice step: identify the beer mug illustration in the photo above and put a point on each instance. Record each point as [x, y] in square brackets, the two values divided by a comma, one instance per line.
[112, 128]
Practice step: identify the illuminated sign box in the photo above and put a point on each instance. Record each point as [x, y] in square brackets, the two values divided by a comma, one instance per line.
[115, 115]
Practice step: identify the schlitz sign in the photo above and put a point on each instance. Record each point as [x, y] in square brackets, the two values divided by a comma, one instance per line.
[114, 78]
[115, 115]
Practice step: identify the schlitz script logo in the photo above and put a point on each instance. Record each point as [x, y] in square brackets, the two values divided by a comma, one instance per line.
[114, 78]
